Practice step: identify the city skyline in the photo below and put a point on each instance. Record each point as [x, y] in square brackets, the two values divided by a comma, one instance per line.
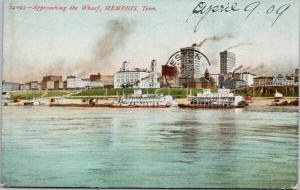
[80, 43]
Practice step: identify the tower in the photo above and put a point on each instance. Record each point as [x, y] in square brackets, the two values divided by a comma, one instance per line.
[206, 74]
[191, 68]
[153, 67]
[125, 66]
[227, 62]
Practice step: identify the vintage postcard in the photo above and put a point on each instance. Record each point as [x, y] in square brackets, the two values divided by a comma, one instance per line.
[150, 94]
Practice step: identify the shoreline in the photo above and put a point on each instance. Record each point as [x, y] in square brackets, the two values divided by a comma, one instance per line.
[257, 101]
[266, 101]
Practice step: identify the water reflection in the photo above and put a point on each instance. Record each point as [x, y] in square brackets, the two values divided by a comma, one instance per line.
[186, 130]
[226, 136]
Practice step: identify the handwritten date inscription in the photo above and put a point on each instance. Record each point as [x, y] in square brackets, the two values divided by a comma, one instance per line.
[204, 9]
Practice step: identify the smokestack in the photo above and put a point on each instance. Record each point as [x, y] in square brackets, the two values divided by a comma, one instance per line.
[241, 66]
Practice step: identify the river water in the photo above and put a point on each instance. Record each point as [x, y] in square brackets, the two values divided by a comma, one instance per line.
[102, 147]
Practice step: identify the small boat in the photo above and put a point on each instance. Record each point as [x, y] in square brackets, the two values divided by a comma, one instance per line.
[6, 95]
[221, 100]
[248, 99]
[278, 95]
[277, 102]
[32, 103]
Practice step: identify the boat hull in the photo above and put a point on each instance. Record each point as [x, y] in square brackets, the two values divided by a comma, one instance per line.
[193, 106]
[108, 106]
[31, 104]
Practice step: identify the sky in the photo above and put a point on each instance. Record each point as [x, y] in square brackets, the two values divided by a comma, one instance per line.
[38, 43]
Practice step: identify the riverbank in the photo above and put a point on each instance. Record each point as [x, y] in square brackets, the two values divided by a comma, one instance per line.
[256, 101]
[265, 101]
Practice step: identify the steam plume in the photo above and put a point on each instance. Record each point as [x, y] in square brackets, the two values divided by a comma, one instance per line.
[261, 66]
[116, 35]
[246, 69]
[241, 66]
[211, 38]
[238, 45]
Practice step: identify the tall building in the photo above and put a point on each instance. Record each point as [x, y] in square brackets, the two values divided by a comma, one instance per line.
[191, 69]
[227, 62]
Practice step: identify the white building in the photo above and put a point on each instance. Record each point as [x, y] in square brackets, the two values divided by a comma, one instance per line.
[77, 83]
[248, 78]
[137, 78]
[279, 81]
[96, 84]
[74, 83]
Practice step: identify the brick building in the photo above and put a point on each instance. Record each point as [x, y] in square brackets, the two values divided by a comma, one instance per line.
[96, 77]
[52, 82]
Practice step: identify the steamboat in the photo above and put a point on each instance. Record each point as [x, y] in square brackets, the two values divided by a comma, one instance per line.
[139, 100]
[222, 99]
[136, 100]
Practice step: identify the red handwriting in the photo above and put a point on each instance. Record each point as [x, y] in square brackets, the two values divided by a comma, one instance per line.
[91, 8]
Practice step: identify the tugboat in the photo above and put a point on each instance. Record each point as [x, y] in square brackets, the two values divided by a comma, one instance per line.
[207, 99]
